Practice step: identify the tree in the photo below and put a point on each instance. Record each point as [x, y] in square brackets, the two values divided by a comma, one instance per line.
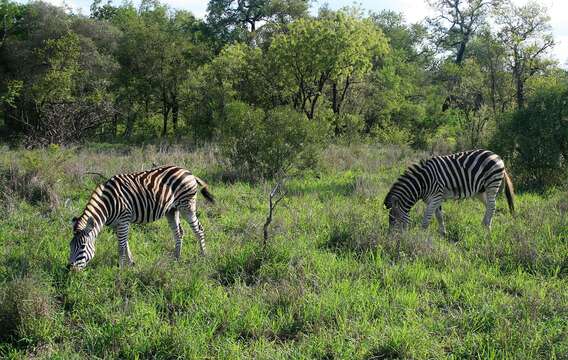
[103, 12]
[10, 15]
[526, 34]
[491, 56]
[53, 69]
[456, 22]
[237, 20]
[394, 96]
[337, 50]
[156, 50]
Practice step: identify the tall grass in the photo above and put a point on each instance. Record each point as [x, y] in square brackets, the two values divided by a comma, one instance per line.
[332, 284]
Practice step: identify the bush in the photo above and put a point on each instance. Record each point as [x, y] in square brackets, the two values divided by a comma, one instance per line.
[391, 134]
[349, 127]
[260, 144]
[534, 141]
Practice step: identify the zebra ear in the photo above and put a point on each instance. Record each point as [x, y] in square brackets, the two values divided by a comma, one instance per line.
[74, 220]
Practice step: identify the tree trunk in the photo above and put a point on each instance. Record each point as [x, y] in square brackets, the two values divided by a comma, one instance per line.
[520, 91]
[334, 98]
[337, 97]
[461, 52]
[519, 81]
[165, 112]
[312, 110]
[129, 125]
[115, 125]
[174, 104]
[175, 114]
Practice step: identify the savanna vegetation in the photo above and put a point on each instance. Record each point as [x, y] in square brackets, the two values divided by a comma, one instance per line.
[332, 105]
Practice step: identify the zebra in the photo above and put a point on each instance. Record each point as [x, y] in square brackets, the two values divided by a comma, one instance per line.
[138, 198]
[456, 176]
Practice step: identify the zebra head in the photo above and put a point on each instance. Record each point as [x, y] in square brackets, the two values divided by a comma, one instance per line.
[82, 246]
[398, 213]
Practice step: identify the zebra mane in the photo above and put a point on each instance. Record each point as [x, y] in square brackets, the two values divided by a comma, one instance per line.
[86, 221]
[413, 169]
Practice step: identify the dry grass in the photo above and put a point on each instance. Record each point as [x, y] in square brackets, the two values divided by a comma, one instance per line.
[17, 184]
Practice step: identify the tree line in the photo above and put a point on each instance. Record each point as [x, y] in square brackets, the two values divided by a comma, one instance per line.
[268, 78]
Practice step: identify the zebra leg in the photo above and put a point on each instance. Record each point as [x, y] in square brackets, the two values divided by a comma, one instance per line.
[175, 226]
[482, 196]
[491, 196]
[440, 218]
[124, 253]
[191, 216]
[432, 206]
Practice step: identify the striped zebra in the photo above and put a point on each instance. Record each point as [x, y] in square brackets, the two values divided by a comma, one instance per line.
[455, 176]
[138, 198]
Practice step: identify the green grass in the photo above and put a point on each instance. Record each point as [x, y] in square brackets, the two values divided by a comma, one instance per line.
[330, 285]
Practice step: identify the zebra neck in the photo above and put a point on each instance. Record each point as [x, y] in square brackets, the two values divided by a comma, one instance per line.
[94, 218]
[95, 231]
[407, 204]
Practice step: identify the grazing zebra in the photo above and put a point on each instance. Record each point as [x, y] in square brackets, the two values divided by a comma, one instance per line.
[455, 176]
[138, 198]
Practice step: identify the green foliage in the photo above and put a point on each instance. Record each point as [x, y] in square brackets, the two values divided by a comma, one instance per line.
[13, 89]
[535, 139]
[151, 72]
[243, 21]
[62, 59]
[337, 49]
[263, 144]
[349, 126]
[392, 134]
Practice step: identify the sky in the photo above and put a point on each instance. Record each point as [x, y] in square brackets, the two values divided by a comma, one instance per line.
[413, 10]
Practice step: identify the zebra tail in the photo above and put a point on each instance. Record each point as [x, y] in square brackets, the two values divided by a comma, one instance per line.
[204, 190]
[510, 193]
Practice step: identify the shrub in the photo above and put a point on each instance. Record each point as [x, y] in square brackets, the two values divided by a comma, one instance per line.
[261, 144]
[349, 126]
[392, 134]
[534, 140]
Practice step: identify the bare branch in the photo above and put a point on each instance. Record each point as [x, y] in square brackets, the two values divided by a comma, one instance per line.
[276, 195]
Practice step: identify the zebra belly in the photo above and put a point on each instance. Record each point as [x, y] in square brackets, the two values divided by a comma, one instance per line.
[453, 194]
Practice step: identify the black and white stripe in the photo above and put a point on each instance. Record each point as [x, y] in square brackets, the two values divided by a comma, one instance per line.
[455, 176]
[138, 198]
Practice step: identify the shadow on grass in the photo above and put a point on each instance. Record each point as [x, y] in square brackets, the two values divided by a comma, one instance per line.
[242, 266]
[387, 352]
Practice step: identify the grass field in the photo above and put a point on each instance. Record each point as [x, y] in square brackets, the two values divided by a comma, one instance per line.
[331, 283]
